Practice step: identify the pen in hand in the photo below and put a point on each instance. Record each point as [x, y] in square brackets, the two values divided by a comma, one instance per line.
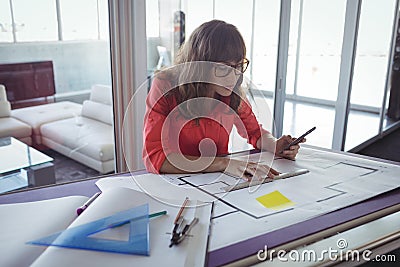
[297, 140]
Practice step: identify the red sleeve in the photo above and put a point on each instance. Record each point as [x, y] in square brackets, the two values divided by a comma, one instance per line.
[248, 126]
[157, 109]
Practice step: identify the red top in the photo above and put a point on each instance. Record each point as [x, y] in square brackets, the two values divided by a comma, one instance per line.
[167, 131]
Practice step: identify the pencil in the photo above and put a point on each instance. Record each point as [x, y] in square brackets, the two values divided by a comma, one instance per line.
[181, 210]
[156, 214]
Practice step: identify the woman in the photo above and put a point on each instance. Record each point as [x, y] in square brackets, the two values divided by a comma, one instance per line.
[192, 107]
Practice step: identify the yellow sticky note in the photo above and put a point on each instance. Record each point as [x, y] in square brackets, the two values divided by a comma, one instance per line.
[275, 201]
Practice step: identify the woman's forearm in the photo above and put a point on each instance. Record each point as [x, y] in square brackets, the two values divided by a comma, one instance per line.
[177, 163]
[267, 142]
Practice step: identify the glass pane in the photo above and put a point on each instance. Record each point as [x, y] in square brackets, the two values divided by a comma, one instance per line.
[79, 133]
[321, 36]
[264, 58]
[21, 154]
[392, 105]
[266, 33]
[167, 11]
[79, 19]
[5, 22]
[315, 44]
[35, 20]
[370, 70]
[238, 13]
[104, 30]
[300, 117]
[361, 126]
[294, 34]
[198, 12]
[373, 48]
[152, 18]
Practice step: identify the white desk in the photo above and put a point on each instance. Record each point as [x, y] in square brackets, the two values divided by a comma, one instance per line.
[244, 251]
[367, 242]
[241, 226]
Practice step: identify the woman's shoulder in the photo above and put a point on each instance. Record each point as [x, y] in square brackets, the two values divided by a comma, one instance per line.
[163, 81]
[244, 105]
[161, 90]
[160, 81]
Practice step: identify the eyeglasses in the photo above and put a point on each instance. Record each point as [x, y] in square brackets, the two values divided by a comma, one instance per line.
[222, 70]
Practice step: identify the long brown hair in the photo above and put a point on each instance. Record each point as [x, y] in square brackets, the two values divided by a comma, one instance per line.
[213, 41]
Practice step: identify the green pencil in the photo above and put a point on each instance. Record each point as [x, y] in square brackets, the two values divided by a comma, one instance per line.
[153, 215]
[156, 214]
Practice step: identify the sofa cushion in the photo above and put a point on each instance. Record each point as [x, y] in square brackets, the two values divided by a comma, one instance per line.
[100, 166]
[84, 135]
[5, 109]
[3, 95]
[97, 111]
[15, 128]
[101, 94]
[37, 115]
[5, 106]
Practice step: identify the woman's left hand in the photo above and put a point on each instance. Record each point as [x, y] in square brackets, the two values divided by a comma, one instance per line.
[282, 142]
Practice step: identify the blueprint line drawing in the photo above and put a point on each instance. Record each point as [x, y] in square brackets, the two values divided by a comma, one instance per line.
[335, 181]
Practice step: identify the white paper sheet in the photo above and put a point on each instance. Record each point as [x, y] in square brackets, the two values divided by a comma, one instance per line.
[335, 181]
[245, 199]
[191, 252]
[234, 227]
[23, 222]
[209, 178]
[153, 185]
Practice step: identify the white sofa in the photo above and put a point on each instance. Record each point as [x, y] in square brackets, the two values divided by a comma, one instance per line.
[10, 126]
[36, 116]
[87, 138]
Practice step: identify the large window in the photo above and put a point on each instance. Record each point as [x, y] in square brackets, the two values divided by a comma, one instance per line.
[35, 20]
[320, 43]
[73, 37]
[265, 44]
[52, 20]
[79, 23]
[5, 22]
[370, 70]
[314, 56]
[152, 18]
[41, 27]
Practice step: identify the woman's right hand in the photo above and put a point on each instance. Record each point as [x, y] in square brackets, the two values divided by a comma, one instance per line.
[249, 170]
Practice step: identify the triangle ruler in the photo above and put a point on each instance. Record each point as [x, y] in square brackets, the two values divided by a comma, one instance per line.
[79, 237]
